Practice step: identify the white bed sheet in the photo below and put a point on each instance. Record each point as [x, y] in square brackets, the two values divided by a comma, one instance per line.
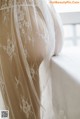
[65, 70]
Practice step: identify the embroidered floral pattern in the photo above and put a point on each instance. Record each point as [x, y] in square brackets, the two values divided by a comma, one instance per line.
[26, 107]
[44, 36]
[24, 24]
[5, 15]
[26, 53]
[10, 3]
[33, 71]
[10, 48]
[17, 81]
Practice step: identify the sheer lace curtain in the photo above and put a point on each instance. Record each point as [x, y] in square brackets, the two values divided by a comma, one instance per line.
[30, 34]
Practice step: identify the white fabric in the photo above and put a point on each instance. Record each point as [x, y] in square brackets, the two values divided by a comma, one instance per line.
[28, 39]
[65, 71]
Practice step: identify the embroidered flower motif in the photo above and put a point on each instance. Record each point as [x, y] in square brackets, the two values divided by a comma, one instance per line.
[7, 3]
[27, 24]
[22, 21]
[33, 71]
[45, 37]
[20, 14]
[17, 81]
[10, 48]
[4, 3]
[5, 15]
[10, 2]
[26, 107]
[26, 53]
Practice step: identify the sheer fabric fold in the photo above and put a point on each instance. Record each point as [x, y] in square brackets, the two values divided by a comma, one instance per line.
[29, 31]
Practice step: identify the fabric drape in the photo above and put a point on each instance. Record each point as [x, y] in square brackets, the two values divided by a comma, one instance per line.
[30, 33]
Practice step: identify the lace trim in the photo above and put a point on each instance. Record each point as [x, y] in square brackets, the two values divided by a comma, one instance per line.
[10, 4]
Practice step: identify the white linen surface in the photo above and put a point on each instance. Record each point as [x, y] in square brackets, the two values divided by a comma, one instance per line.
[65, 70]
